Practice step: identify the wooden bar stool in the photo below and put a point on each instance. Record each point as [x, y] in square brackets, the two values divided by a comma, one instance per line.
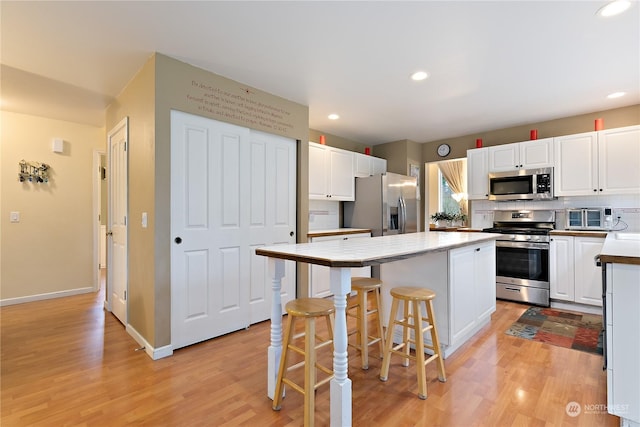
[412, 320]
[363, 286]
[308, 309]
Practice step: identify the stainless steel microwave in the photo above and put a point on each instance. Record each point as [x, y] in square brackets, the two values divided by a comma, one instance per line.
[523, 184]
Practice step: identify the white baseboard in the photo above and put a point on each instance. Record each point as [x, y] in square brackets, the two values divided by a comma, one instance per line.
[41, 297]
[153, 353]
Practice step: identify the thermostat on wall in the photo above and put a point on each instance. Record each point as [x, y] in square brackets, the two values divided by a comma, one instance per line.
[57, 145]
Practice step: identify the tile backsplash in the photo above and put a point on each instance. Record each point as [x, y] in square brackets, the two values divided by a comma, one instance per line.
[626, 206]
[323, 215]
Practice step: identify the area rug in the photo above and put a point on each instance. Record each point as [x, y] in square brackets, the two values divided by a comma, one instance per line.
[567, 329]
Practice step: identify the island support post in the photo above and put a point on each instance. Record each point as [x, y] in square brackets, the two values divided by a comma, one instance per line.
[340, 385]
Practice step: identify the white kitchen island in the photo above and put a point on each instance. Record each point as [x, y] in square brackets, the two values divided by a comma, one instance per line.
[341, 256]
[620, 258]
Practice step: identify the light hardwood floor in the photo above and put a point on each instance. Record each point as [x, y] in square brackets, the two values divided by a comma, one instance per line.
[67, 362]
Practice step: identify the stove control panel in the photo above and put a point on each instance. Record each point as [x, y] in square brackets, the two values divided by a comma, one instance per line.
[525, 238]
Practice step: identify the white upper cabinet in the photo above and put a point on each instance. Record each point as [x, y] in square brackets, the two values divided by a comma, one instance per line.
[331, 173]
[368, 165]
[619, 160]
[521, 155]
[378, 165]
[478, 173]
[576, 173]
[604, 162]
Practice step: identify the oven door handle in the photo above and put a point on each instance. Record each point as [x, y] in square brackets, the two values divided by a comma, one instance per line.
[521, 245]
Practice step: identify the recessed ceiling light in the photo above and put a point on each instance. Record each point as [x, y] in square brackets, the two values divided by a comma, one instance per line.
[333, 116]
[616, 95]
[614, 7]
[419, 75]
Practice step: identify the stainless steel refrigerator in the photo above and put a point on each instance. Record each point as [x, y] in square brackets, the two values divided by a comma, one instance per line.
[386, 204]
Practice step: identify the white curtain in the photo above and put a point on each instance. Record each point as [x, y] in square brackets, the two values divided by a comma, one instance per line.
[455, 172]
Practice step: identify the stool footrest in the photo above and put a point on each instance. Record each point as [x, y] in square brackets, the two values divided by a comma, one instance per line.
[299, 389]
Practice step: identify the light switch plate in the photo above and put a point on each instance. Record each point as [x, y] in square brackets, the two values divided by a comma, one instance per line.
[144, 220]
[14, 217]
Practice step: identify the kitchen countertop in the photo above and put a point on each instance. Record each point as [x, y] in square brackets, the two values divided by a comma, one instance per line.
[373, 251]
[432, 227]
[337, 232]
[579, 233]
[621, 248]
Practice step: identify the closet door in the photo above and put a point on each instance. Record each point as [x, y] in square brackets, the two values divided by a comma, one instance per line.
[226, 199]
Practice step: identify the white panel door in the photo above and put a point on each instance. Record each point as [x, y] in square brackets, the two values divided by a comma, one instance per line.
[117, 271]
[272, 216]
[224, 203]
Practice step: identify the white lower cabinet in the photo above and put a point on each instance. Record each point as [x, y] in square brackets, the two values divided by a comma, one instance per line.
[472, 280]
[319, 286]
[464, 281]
[623, 342]
[573, 273]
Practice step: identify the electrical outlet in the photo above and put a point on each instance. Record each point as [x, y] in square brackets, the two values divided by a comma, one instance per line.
[14, 217]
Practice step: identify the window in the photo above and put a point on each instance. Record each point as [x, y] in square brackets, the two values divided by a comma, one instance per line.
[446, 188]
[446, 202]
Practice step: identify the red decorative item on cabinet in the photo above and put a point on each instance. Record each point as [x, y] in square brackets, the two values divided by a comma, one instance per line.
[599, 124]
[479, 143]
[367, 151]
[322, 140]
[533, 134]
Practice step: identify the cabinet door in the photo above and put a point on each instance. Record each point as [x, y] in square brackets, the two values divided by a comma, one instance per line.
[623, 347]
[478, 173]
[576, 171]
[318, 171]
[561, 268]
[378, 165]
[363, 165]
[462, 294]
[588, 276]
[619, 161]
[485, 280]
[504, 157]
[536, 154]
[341, 176]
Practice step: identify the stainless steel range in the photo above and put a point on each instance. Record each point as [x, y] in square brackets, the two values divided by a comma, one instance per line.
[522, 255]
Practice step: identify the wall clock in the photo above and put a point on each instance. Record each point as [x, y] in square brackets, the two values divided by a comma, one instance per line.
[444, 150]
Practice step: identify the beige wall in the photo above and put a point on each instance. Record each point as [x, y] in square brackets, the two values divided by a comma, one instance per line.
[137, 103]
[395, 153]
[337, 141]
[165, 84]
[614, 118]
[50, 251]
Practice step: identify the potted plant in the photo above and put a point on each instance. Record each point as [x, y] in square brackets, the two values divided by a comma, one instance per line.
[442, 219]
[459, 219]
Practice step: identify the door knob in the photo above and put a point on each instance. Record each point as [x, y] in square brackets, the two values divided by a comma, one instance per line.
[291, 233]
[178, 240]
[110, 233]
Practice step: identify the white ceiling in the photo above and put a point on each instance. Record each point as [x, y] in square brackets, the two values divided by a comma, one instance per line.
[491, 64]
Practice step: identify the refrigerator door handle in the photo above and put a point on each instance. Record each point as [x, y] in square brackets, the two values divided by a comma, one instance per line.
[402, 215]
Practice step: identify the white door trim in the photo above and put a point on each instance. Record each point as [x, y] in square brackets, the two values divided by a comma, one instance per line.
[97, 197]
